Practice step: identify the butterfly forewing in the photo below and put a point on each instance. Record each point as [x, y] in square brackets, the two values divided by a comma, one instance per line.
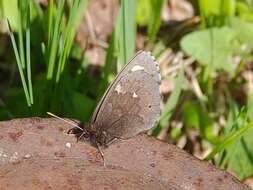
[132, 102]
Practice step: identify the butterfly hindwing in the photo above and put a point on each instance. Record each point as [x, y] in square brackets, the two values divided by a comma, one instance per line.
[132, 102]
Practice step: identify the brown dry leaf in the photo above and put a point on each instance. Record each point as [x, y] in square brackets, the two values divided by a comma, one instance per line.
[96, 28]
[177, 10]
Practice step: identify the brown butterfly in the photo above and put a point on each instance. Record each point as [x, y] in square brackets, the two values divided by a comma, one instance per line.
[130, 105]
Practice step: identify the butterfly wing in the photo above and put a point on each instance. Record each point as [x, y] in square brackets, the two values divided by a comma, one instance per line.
[132, 102]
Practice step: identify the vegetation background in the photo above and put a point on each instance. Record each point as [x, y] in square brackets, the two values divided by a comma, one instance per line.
[60, 56]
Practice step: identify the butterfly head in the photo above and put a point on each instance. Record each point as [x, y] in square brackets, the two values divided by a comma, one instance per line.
[82, 132]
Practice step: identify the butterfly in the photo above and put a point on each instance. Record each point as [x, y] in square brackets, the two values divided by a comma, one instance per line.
[130, 105]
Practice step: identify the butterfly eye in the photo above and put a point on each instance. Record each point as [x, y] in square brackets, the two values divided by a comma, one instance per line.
[149, 106]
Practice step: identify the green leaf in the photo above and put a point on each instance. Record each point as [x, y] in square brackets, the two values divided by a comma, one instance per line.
[143, 12]
[155, 18]
[213, 47]
[52, 46]
[9, 10]
[76, 15]
[209, 8]
[244, 30]
[216, 12]
[237, 145]
[228, 7]
[240, 154]
[20, 69]
[230, 139]
[191, 115]
[107, 69]
[244, 11]
[195, 117]
[207, 128]
[237, 156]
[175, 133]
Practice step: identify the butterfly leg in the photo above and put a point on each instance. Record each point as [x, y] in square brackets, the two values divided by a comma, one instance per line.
[101, 153]
[112, 141]
[80, 137]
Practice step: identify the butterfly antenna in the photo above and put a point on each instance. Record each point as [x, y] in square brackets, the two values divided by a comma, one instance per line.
[64, 120]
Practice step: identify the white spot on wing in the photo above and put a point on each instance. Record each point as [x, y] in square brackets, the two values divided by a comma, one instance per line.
[118, 88]
[137, 68]
[135, 95]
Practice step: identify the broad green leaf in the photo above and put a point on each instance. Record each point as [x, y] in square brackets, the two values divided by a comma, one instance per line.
[212, 47]
[244, 30]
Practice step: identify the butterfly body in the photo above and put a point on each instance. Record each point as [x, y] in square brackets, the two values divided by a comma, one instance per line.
[91, 132]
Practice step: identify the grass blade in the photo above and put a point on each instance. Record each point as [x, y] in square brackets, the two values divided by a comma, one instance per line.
[14, 45]
[170, 104]
[154, 19]
[125, 32]
[76, 15]
[230, 139]
[107, 67]
[173, 99]
[52, 49]
[50, 21]
[21, 10]
[28, 55]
